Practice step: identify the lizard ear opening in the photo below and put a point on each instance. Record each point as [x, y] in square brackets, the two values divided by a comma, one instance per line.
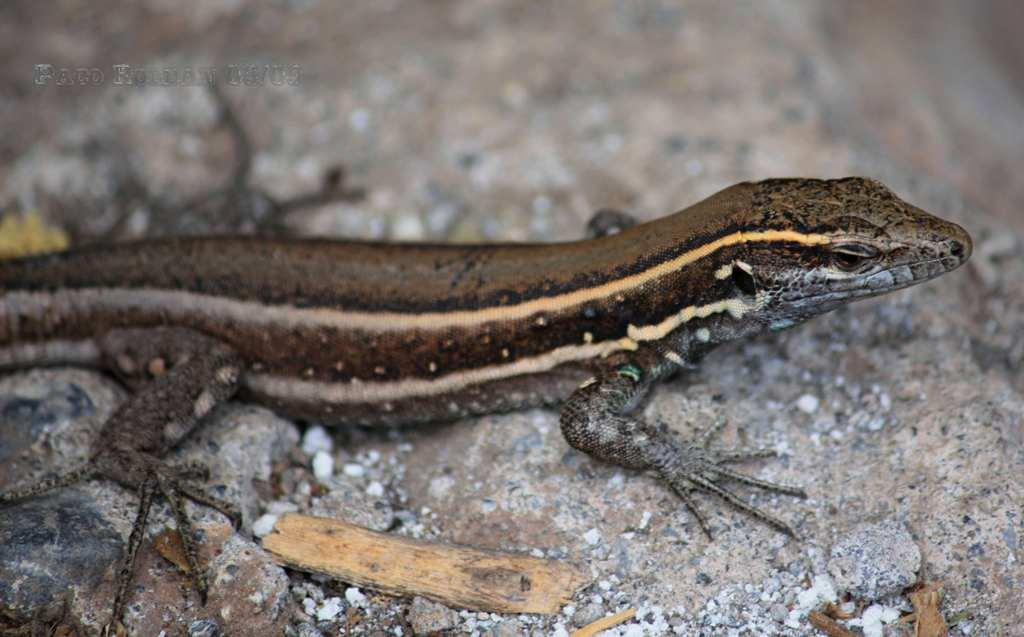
[744, 281]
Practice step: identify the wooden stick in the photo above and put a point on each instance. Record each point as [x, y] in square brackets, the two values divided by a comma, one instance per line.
[456, 576]
[605, 623]
[827, 625]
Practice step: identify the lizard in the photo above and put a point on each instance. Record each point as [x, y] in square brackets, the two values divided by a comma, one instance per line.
[375, 333]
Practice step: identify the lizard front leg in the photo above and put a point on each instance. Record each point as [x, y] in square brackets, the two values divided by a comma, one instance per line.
[597, 420]
[188, 375]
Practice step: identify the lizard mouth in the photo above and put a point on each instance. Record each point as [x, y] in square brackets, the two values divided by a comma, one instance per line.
[889, 279]
[906, 274]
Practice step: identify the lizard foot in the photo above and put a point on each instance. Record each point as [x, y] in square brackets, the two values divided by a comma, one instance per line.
[151, 476]
[697, 466]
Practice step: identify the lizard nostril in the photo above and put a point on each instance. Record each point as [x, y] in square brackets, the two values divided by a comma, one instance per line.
[956, 249]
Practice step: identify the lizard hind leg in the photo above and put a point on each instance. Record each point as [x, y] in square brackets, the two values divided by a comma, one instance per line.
[131, 448]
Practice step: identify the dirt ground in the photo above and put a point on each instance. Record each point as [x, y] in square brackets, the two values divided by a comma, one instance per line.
[492, 120]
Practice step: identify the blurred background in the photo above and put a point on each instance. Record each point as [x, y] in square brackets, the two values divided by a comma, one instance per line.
[508, 119]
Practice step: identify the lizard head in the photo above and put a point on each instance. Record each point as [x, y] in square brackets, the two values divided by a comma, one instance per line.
[856, 239]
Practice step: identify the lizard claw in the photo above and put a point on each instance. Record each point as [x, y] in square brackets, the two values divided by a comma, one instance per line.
[695, 467]
[200, 496]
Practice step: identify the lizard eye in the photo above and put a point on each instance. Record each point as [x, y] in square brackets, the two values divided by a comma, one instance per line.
[851, 256]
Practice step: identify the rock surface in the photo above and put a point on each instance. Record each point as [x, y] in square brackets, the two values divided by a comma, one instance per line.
[875, 561]
[428, 617]
[515, 120]
[67, 547]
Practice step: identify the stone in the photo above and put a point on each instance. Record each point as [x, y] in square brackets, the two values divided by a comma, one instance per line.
[42, 566]
[426, 617]
[875, 560]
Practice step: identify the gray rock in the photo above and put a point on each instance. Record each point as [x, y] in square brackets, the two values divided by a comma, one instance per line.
[48, 417]
[40, 560]
[305, 629]
[204, 628]
[875, 560]
[47, 420]
[347, 500]
[426, 616]
[588, 614]
[68, 545]
[779, 612]
[506, 628]
[240, 445]
[248, 592]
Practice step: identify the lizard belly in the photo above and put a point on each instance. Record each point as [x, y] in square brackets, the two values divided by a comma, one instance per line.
[307, 401]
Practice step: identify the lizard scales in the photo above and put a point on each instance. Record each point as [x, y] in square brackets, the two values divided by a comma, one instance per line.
[379, 333]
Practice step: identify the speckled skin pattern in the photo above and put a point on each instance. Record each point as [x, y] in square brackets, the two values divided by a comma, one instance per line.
[350, 332]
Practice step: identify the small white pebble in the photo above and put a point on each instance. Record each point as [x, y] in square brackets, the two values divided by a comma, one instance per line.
[323, 465]
[376, 489]
[645, 519]
[277, 507]
[592, 537]
[354, 470]
[264, 525]
[316, 439]
[355, 597]
[807, 404]
[872, 619]
[329, 609]
[308, 606]
[821, 590]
